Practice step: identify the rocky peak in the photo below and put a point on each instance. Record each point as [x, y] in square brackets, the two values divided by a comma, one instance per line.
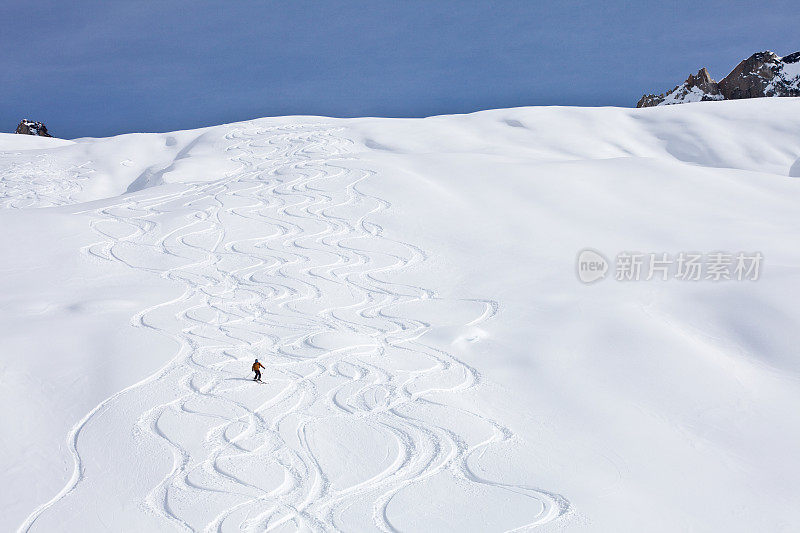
[32, 127]
[696, 88]
[702, 78]
[704, 83]
[762, 74]
[751, 77]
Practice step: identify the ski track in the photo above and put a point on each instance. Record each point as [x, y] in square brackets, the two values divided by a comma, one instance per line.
[316, 266]
[39, 181]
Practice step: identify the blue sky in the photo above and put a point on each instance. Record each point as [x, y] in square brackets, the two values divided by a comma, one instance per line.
[103, 68]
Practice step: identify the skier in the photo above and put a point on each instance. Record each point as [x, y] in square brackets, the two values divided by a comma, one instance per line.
[257, 369]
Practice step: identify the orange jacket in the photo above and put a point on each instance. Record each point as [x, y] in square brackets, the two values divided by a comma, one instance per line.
[257, 366]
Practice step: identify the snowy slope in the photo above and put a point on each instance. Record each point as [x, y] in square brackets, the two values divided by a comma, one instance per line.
[432, 361]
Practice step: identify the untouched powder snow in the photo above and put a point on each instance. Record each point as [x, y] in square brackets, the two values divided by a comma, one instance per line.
[432, 361]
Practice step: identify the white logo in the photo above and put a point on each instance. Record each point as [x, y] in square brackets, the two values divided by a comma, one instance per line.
[592, 266]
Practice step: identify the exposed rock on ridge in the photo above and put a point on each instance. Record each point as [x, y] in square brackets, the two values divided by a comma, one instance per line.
[32, 127]
[764, 74]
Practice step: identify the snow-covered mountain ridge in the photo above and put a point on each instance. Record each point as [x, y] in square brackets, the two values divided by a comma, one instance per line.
[764, 74]
[432, 361]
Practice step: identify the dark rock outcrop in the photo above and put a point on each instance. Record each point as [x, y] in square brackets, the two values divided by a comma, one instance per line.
[763, 74]
[696, 88]
[32, 127]
[650, 100]
[704, 83]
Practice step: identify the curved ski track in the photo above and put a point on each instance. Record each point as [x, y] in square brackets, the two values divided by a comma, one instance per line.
[39, 181]
[281, 261]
